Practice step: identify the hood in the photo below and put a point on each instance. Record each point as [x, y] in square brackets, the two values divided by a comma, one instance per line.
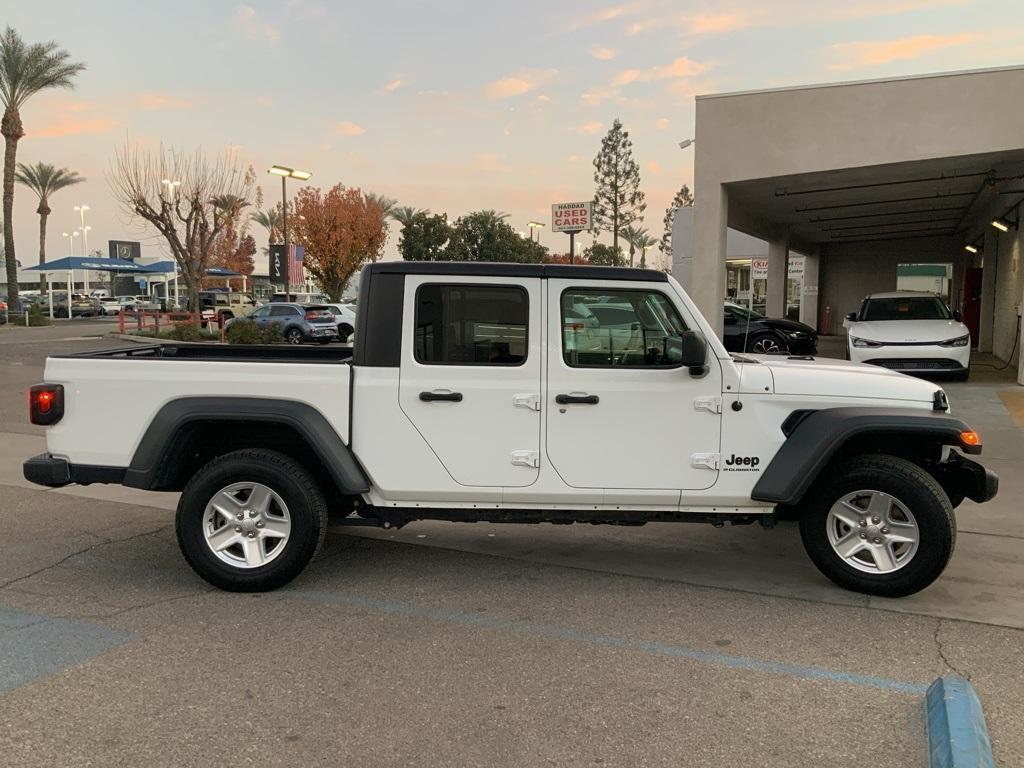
[788, 325]
[908, 331]
[824, 377]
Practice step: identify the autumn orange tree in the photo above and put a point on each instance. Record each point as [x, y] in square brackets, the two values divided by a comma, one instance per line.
[340, 231]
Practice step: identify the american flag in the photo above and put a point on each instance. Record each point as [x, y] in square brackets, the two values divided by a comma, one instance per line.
[295, 272]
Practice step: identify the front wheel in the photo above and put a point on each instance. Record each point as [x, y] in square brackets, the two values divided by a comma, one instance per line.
[344, 332]
[294, 336]
[251, 520]
[766, 344]
[879, 525]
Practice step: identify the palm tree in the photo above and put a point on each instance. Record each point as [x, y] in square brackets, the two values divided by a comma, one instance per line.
[45, 179]
[405, 214]
[270, 220]
[386, 204]
[490, 217]
[643, 244]
[25, 70]
[633, 235]
[231, 205]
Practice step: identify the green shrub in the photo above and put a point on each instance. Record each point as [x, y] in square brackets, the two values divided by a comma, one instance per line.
[244, 332]
[184, 330]
[36, 317]
[272, 334]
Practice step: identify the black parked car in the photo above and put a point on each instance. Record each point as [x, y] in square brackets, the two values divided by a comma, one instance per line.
[765, 335]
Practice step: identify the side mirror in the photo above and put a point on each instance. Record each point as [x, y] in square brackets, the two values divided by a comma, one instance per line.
[956, 315]
[693, 352]
[852, 316]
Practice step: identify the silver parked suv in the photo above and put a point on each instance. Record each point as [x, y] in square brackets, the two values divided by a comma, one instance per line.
[299, 322]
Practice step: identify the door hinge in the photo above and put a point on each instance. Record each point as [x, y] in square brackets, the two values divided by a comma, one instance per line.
[530, 401]
[705, 460]
[709, 404]
[526, 458]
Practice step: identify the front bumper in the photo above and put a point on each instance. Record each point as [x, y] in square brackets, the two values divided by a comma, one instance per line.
[963, 478]
[914, 358]
[53, 472]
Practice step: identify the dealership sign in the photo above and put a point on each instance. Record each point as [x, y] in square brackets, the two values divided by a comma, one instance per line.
[571, 217]
[759, 269]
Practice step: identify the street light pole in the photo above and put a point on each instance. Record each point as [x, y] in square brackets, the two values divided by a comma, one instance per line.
[285, 173]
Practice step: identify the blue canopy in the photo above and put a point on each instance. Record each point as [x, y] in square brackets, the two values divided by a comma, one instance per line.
[69, 263]
[169, 267]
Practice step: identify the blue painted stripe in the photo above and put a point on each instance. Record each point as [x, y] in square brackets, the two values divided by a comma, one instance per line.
[33, 646]
[957, 734]
[662, 649]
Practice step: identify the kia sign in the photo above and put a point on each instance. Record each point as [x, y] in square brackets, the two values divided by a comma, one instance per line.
[759, 269]
[571, 217]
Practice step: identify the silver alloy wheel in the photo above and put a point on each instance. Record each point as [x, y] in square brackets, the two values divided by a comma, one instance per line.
[766, 346]
[872, 531]
[246, 525]
[294, 336]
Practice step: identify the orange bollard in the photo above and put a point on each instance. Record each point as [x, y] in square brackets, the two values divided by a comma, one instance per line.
[826, 321]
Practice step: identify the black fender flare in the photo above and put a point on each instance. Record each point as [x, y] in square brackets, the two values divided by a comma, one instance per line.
[159, 441]
[814, 438]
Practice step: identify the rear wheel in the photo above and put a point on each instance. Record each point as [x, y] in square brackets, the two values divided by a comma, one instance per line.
[251, 520]
[344, 332]
[879, 525]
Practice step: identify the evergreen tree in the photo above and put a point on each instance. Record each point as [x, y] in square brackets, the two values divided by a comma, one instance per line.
[618, 201]
[683, 199]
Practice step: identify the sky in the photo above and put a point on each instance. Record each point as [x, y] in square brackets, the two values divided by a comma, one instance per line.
[448, 105]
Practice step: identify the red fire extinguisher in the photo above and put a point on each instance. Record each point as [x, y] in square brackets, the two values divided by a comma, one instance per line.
[826, 321]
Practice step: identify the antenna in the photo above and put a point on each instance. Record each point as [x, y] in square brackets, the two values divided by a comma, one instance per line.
[738, 403]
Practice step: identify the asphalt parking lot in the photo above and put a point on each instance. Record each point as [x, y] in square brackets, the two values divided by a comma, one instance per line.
[446, 644]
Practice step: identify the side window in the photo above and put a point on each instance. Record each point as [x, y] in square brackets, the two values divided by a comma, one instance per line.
[620, 329]
[261, 312]
[471, 325]
[281, 311]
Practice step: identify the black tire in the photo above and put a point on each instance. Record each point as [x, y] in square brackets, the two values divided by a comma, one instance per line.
[286, 477]
[344, 332]
[61, 313]
[294, 336]
[765, 339]
[963, 375]
[912, 486]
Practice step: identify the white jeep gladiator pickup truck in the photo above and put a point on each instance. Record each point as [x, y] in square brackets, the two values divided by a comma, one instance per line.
[515, 393]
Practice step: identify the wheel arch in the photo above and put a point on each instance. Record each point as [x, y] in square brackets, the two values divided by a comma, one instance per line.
[190, 431]
[817, 438]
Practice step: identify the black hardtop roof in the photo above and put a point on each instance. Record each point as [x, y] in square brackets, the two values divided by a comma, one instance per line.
[511, 269]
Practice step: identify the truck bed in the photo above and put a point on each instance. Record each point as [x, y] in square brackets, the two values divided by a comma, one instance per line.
[249, 353]
[112, 396]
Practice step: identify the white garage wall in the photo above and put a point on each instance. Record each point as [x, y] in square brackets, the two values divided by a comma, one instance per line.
[1009, 282]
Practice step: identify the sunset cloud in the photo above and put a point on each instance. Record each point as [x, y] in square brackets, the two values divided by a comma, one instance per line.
[522, 82]
[251, 26]
[162, 101]
[392, 86]
[491, 163]
[69, 125]
[348, 128]
[661, 123]
[591, 128]
[871, 53]
[264, 101]
[602, 53]
[680, 68]
[604, 14]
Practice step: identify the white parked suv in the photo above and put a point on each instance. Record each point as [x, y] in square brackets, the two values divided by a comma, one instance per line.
[475, 392]
[910, 332]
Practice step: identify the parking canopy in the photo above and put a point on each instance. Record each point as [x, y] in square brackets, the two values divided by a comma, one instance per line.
[77, 263]
[169, 267]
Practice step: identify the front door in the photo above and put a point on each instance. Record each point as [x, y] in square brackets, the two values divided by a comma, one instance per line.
[470, 375]
[622, 411]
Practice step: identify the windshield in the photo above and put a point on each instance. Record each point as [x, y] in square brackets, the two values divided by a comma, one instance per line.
[742, 312]
[905, 308]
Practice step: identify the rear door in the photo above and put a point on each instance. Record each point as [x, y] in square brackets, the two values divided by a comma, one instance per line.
[471, 374]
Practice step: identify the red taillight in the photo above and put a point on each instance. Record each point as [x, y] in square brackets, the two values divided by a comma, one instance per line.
[46, 404]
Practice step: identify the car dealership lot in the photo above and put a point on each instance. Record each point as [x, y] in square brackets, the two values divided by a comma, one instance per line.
[456, 645]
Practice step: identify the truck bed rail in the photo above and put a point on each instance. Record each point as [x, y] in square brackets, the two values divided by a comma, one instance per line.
[247, 353]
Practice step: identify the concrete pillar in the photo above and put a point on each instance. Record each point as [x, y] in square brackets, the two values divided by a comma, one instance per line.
[707, 265]
[809, 295]
[778, 254]
[988, 290]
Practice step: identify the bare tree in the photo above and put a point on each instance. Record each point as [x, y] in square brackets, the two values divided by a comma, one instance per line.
[179, 194]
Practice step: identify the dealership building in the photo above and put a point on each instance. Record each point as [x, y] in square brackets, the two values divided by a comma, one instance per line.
[823, 194]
